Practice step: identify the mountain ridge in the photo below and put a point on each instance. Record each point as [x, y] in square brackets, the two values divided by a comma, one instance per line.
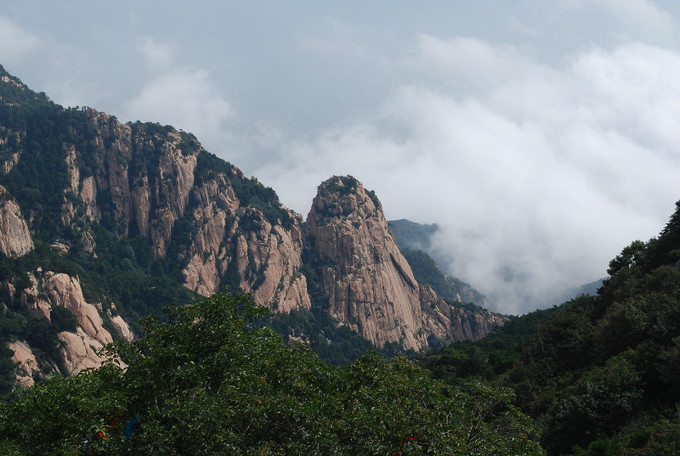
[144, 216]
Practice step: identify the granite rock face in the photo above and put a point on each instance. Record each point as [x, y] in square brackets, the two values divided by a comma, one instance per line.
[144, 179]
[15, 238]
[117, 184]
[369, 284]
[80, 348]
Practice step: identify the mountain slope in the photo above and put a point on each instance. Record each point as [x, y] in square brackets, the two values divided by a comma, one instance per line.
[600, 372]
[415, 242]
[368, 282]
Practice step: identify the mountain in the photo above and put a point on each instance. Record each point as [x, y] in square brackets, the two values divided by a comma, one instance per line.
[369, 284]
[600, 372]
[415, 242]
[412, 235]
[105, 223]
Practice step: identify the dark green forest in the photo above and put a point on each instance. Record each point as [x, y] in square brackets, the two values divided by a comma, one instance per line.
[599, 374]
[594, 376]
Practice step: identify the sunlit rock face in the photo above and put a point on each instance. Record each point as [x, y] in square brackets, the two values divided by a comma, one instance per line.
[15, 239]
[148, 180]
[80, 348]
[368, 283]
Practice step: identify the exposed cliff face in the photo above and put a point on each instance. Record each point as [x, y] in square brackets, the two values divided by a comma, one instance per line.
[158, 183]
[369, 284]
[80, 347]
[15, 239]
[266, 256]
[146, 178]
[140, 199]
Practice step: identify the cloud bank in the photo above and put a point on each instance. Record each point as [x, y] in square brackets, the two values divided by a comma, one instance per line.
[537, 175]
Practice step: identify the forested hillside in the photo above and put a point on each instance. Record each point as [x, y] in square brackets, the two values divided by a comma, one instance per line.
[598, 373]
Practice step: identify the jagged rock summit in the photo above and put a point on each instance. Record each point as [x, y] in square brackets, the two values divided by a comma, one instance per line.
[368, 283]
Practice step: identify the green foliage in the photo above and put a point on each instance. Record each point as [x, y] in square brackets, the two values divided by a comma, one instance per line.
[56, 416]
[7, 367]
[210, 381]
[599, 372]
[488, 358]
[631, 257]
[599, 403]
[344, 185]
[663, 439]
[334, 344]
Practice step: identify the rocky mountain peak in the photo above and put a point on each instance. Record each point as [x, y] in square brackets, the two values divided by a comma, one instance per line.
[146, 217]
[346, 196]
[369, 284]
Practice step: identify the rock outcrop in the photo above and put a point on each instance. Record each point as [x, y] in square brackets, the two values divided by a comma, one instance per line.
[157, 182]
[368, 283]
[27, 364]
[266, 255]
[80, 347]
[15, 239]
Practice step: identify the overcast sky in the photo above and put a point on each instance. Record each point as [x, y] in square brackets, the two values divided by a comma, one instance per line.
[542, 136]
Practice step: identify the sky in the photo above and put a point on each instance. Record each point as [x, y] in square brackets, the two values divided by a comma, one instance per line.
[542, 136]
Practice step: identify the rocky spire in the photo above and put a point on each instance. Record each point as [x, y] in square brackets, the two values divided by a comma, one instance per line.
[368, 283]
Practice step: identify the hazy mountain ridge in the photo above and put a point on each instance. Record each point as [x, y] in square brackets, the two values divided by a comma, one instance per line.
[142, 216]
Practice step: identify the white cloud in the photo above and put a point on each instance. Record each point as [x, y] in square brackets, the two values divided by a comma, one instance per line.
[641, 17]
[15, 42]
[538, 176]
[159, 56]
[187, 100]
[624, 20]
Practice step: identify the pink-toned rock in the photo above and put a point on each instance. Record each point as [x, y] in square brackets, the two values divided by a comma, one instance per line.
[65, 291]
[88, 193]
[80, 348]
[369, 284]
[28, 367]
[15, 239]
[79, 351]
[122, 328]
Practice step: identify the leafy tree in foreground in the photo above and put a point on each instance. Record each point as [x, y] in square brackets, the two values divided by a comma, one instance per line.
[211, 382]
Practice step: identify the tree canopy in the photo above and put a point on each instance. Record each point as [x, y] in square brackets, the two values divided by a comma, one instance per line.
[211, 380]
[599, 373]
